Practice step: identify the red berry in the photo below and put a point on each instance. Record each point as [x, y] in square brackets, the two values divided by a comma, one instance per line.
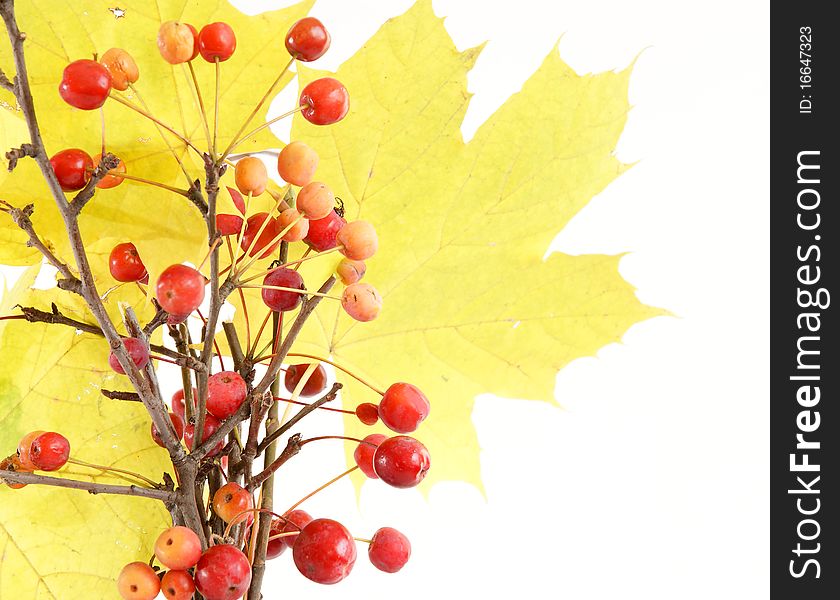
[177, 585]
[368, 413]
[276, 547]
[316, 383]
[282, 300]
[326, 101]
[295, 521]
[324, 551]
[177, 424]
[180, 289]
[403, 407]
[226, 392]
[49, 451]
[178, 548]
[85, 84]
[178, 403]
[230, 502]
[71, 168]
[322, 232]
[211, 424]
[223, 573]
[363, 455]
[125, 264]
[228, 224]
[308, 39]
[389, 550]
[138, 581]
[216, 41]
[401, 461]
[269, 233]
[137, 350]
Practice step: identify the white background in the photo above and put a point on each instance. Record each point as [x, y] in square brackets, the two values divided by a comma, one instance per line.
[652, 481]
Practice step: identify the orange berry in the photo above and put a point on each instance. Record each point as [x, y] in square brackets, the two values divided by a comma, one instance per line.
[358, 240]
[175, 42]
[298, 230]
[296, 163]
[251, 176]
[122, 68]
[361, 301]
[178, 548]
[315, 200]
[138, 581]
[350, 271]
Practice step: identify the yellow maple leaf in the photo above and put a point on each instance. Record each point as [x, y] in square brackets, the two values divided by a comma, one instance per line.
[471, 305]
[59, 543]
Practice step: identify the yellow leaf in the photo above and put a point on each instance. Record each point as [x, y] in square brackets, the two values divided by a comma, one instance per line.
[59, 543]
[470, 306]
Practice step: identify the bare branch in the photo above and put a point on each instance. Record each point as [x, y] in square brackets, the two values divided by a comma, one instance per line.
[329, 396]
[5, 83]
[118, 395]
[21, 217]
[15, 154]
[292, 448]
[107, 163]
[88, 486]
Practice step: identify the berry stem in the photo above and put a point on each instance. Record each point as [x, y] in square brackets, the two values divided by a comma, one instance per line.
[256, 109]
[290, 263]
[251, 350]
[216, 109]
[334, 437]
[267, 124]
[165, 139]
[201, 108]
[209, 252]
[299, 403]
[276, 239]
[103, 468]
[323, 487]
[102, 127]
[289, 289]
[179, 191]
[329, 396]
[364, 540]
[140, 111]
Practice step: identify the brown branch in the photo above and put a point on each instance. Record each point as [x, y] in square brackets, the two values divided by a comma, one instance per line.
[106, 164]
[21, 217]
[5, 83]
[15, 154]
[329, 396]
[292, 448]
[34, 315]
[166, 496]
[185, 469]
[118, 395]
[224, 429]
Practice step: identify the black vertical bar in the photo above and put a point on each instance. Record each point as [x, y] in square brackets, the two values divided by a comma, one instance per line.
[805, 229]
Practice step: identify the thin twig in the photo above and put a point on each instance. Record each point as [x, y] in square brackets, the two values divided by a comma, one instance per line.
[292, 448]
[329, 396]
[88, 486]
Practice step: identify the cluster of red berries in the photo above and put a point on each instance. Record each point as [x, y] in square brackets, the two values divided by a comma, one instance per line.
[323, 549]
[37, 451]
[222, 572]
